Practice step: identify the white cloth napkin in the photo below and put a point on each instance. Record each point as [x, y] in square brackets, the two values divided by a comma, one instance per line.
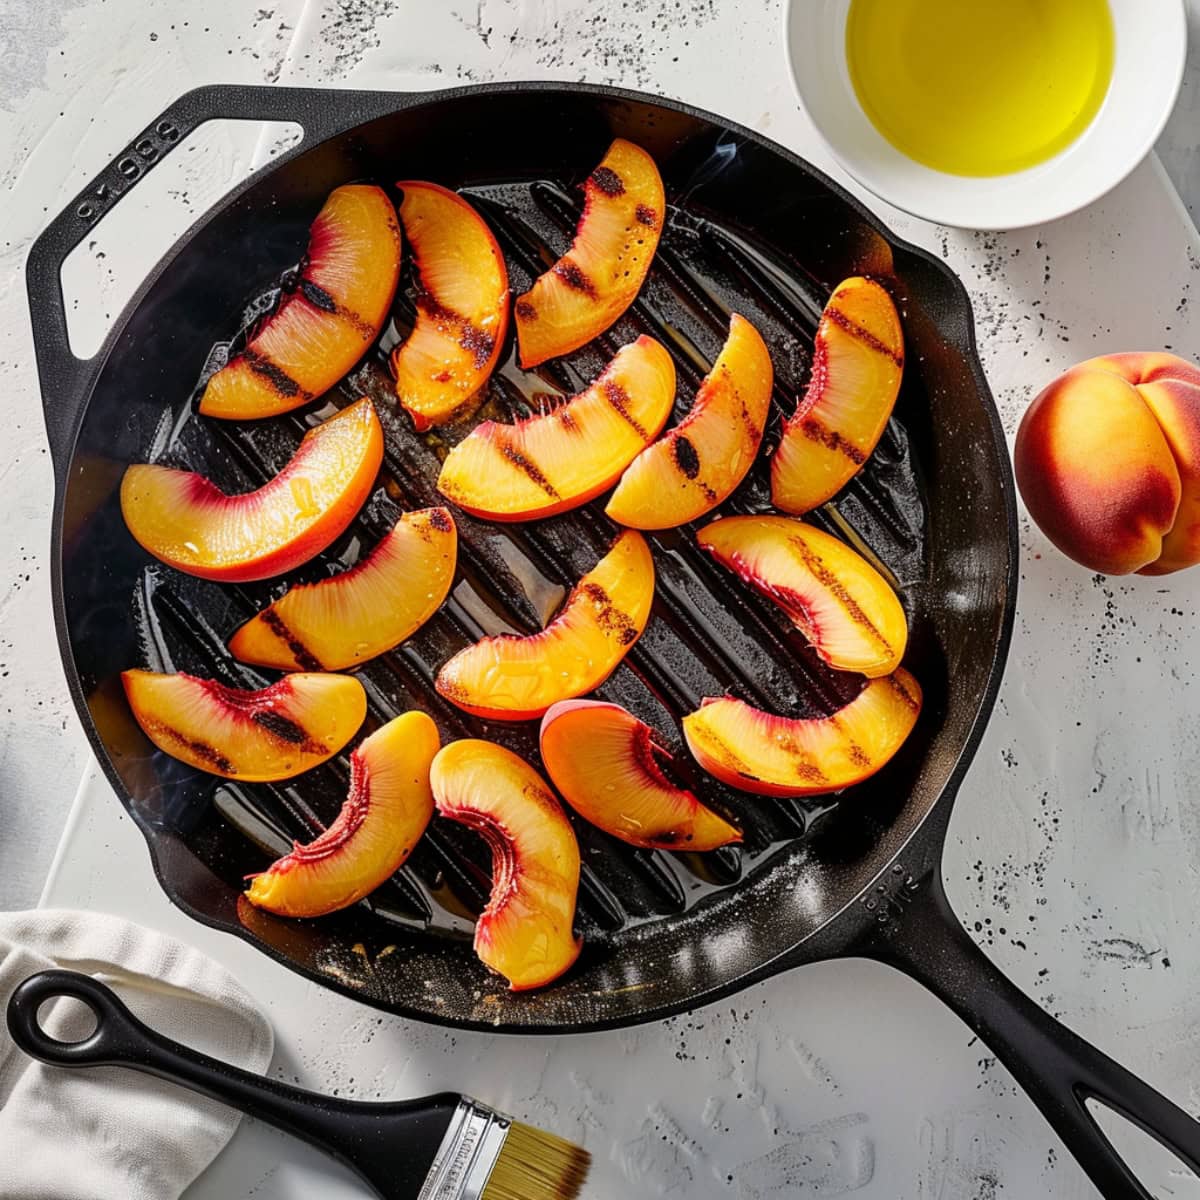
[108, 1133]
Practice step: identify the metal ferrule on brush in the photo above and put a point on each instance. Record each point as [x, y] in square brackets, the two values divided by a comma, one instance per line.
[470, 1148]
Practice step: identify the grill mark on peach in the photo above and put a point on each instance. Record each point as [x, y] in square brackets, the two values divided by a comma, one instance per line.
[809, 772]
[858, 756]
[749, 424]
[525, 309]
[618, 397]
[817, 568]
[868, 339]
[565, 419]
[903, 693]
[608, 181]
[320, 299]
[527, 467]
[478, 343]
[201, 750]
[831, 440]
[609, 617]
[688, 461]
[300, 652]
[440, 519]
[275, 376]
[804, 767]
[284, 729]
[686, 458]
[724, 755]
[646, 215]
[539, 796]
[573, 277]
[318, 296]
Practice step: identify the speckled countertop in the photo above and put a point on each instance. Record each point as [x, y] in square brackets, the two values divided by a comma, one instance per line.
[1075, 848]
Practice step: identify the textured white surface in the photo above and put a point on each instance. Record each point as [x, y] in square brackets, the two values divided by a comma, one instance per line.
[1075, 845]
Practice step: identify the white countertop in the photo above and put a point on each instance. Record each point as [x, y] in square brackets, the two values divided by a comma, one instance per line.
[1079, 814]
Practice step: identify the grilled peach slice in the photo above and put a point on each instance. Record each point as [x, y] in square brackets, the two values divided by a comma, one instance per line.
[858, 358]
[599, 277]
[525, 931]
[517, 678]
[375, 605]
[270, 734]
[323, 327]
[698, 463]
[190, 524]
[385, 813]
[777, 756]
[462, 307]
[604, 762]
[834, 596]
[547, 464]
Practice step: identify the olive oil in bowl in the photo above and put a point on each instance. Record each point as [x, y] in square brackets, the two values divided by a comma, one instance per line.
[980, 87]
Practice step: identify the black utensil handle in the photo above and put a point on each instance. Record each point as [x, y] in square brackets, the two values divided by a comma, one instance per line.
[65, 378]
[919, 934]
[392, 1146]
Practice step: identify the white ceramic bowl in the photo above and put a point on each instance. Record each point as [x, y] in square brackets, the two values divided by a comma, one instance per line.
[1151, 45]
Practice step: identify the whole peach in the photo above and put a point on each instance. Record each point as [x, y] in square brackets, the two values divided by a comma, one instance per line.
[1108, 463]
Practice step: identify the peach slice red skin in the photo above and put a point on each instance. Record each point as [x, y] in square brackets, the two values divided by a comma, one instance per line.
[266, 735]
[188, 523]
[525, 932]
[323, 327]
[601, 274]
[512, 678]
[462, 308]
[561, 459]
[845, 608]
[1108, 462]
[771, 755]
[601, 759]
[367, 610]
[696, 466]
[858, 361]
[389, 804]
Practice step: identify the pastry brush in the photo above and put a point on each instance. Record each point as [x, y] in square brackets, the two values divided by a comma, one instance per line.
[444, 1147]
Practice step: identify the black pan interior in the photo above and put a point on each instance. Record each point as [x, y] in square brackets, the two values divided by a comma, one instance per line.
[749, 230]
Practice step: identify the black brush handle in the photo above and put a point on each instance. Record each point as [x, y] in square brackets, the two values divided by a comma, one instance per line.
[65, 378]
[392, 1145]
[919, 934]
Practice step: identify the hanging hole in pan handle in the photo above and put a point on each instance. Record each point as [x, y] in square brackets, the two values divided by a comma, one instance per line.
[66, 378]
[116, 1037]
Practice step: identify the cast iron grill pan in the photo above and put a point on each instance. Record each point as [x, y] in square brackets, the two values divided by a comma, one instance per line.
[751, 228]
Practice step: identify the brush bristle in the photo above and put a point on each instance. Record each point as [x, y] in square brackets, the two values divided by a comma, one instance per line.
[535, 1165]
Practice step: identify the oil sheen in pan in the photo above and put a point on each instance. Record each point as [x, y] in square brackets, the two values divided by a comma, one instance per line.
[708, 633]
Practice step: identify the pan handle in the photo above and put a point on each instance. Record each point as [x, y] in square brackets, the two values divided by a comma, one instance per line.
[918, 933]
[65, 378]
[362, 1135]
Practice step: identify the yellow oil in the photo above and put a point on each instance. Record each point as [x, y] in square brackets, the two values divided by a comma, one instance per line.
[980, 87]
